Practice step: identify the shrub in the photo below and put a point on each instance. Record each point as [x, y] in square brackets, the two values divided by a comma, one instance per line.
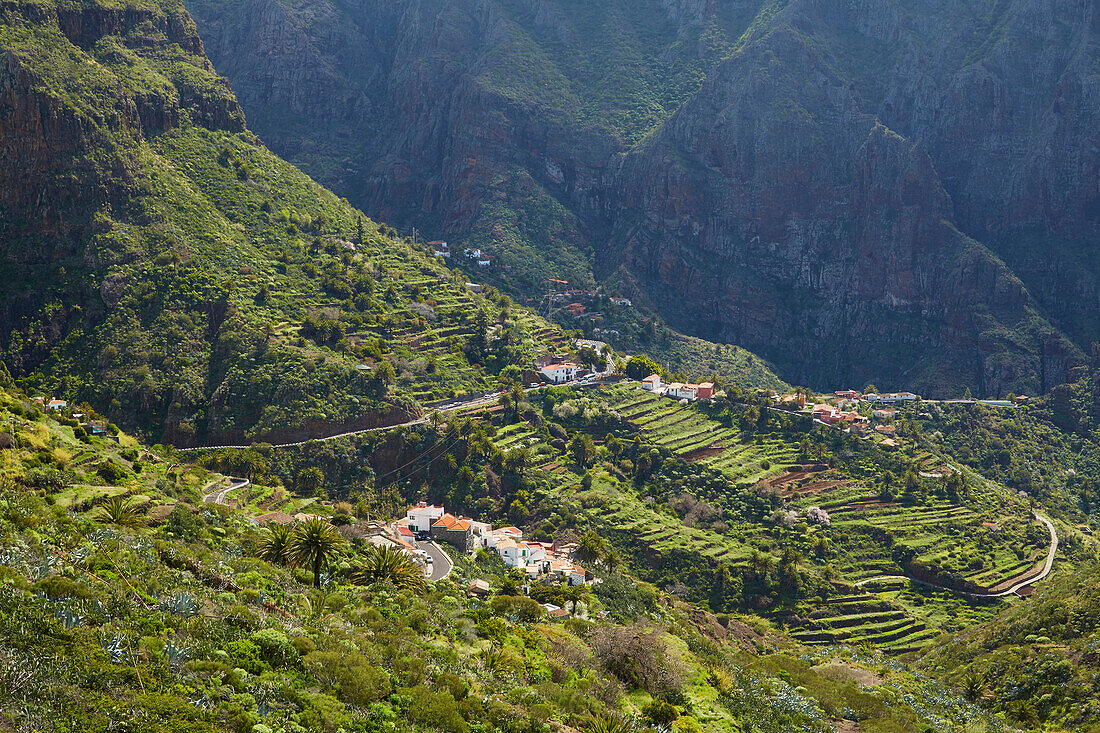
[275, 647]
[111, 473]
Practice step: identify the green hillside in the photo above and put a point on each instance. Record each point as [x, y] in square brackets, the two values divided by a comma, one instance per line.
[127, 600]
[201, 289]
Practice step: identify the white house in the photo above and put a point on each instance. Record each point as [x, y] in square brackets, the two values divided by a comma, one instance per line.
[440, 249]
[892, 397]
[558, 373]
[536, 553]
[514, 554]
[885, 413]
[422, 516]
[652, 383]
[483, 262]
[57, 404]
[681, 391]
[625, 302]
[493, 536]
[473, 254]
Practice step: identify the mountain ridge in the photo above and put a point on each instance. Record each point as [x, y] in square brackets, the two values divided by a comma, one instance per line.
[488, 117]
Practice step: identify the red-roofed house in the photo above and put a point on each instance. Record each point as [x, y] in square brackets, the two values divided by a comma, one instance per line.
[456, 531]
[822, 411]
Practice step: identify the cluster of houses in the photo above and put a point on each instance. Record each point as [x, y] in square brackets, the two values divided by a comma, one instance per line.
[477, 256]
[678, 390]
[51, 404]
[533, 558]
[441, 249]
[840, 411]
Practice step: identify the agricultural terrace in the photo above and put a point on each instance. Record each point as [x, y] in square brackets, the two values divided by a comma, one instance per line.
[682, 492]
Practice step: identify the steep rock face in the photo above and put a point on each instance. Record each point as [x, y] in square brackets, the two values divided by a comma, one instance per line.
[903, 193]
[774, 203]
[61, 157]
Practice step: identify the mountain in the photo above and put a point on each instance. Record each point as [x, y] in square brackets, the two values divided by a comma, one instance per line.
[159, 263]
[902, 195]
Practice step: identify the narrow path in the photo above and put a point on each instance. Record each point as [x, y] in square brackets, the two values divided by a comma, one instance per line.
[1047, 566]
[217, 496]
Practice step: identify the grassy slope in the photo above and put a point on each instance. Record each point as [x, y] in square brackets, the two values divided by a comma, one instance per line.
[179, 626]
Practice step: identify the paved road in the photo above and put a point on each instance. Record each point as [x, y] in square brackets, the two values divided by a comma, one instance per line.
[1047, 565]
[457, 403]
[217, 496]
[441, 565]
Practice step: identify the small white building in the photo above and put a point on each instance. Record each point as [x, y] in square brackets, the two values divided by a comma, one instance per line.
[440, 249]
[625, 302]
[484, 262]
[559, 373]
[892, 397]
[652, 383]
[57, 404]
[514, 554]
[681, 391]
[422, 516]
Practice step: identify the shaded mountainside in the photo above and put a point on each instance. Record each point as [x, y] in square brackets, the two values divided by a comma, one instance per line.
[903, 194]
[158, 262]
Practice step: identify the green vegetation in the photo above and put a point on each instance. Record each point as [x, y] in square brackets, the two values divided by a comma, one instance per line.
[179, 623]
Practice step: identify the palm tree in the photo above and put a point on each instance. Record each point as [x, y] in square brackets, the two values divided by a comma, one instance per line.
[273, 546]
[119, 511]
[313, 543]
[389, 564]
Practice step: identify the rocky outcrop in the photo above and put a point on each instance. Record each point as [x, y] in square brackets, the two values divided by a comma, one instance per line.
[890, 192]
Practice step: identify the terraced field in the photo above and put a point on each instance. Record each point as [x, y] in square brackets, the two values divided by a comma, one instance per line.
[688, 433]
[864, 618]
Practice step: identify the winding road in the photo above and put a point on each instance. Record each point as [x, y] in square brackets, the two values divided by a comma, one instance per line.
[1047, 566]
[441, 564]
[217, 496]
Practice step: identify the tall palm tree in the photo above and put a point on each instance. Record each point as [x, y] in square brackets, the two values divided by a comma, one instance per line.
[273, 546]
[119, 511]
[313, 543]
[389, 564]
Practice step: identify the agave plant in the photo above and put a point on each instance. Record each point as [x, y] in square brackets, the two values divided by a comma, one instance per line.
[273, 545]
[176, 655]
[312, 544]
[121, 512]
[391, 565]
[608, 724]
[181, 604]
[69, 618]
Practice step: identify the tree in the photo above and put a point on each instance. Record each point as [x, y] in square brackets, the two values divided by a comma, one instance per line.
[640, 367]
[312, 544]
[389, 564]
[583, 449]
[359, 231]
[309, 480]
[121, 512]
[591, 547]
[273, 545]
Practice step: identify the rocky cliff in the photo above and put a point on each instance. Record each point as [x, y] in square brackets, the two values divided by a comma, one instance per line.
[902, 193]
